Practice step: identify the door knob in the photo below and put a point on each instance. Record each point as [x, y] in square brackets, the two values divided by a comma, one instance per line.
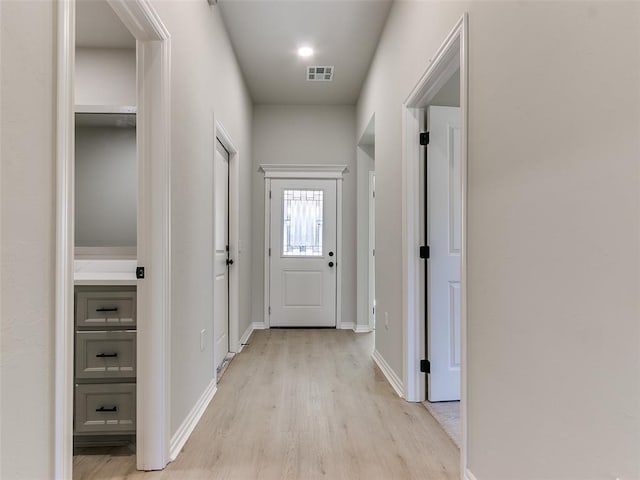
[229, 261]
[331, 254]
[331, 264]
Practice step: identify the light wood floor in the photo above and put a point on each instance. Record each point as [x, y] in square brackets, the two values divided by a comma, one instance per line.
[302, 405]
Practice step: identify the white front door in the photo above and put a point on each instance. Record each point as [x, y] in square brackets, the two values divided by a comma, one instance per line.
[221, 255]
[444, 190]
[303, 253]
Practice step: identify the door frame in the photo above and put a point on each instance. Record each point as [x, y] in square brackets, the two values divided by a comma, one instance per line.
[219, 132]
[325, 172]
[452, 54]
[153, 46]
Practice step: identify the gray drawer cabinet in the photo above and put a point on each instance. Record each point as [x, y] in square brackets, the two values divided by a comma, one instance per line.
[105, 408]
[105, 364]
[105, 354]
[105, 308]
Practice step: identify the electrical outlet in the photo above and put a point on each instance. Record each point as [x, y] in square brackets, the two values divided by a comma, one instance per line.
[202, 335]
[386, 320]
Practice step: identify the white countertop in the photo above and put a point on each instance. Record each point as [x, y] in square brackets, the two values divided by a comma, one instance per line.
[105, 272]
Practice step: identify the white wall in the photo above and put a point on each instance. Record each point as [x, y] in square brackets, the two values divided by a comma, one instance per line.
[205, 82]
[305, 134]
[553, 227]
[105, 76]
[27, 202]
[106, 187]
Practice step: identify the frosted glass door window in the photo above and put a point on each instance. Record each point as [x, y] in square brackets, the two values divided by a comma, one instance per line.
[302, 223]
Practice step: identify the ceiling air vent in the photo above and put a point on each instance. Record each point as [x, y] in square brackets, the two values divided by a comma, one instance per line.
[319, 74]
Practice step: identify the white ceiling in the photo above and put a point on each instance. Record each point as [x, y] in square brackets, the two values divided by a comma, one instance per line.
[97, 26]
[267, 33]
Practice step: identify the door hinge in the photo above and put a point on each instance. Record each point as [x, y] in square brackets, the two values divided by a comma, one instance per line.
[139, 272]
[424, 251]
[269, 251]
[425, 366]
[374, 194]
[269, 310]
[269, 193]
[424, 138]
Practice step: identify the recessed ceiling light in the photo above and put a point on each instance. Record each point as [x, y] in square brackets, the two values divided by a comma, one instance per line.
[305, 52]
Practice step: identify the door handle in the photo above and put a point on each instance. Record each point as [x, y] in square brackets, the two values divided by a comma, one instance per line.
[105, 409]
[229, 261]
[331, 264]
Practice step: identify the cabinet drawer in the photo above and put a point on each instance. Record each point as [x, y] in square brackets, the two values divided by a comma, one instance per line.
[106, 308]
[105, 408]
[109, 354]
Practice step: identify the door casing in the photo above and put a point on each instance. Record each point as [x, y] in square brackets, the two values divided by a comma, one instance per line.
[452, 54]
[328, 172]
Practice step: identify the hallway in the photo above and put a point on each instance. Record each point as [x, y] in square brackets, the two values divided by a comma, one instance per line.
[303, 404]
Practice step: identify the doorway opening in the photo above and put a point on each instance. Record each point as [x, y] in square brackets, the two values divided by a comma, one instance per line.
[303, 245]
[226, 251]
[221, 258]
[365, 205]
[105, 234]
[112, 243]
[435, 248]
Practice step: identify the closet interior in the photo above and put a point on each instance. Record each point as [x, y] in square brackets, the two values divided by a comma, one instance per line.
[105, 208]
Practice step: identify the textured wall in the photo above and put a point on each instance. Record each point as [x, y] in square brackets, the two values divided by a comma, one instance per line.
[27, 202]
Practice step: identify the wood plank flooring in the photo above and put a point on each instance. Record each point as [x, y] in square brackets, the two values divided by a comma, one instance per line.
[302, 405]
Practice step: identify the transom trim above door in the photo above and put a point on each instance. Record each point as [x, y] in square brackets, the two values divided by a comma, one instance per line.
[303, 171]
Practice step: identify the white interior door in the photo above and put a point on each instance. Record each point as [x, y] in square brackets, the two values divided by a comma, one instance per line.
[221, 255]
[372, 250]
[444, 190]
[303, 255]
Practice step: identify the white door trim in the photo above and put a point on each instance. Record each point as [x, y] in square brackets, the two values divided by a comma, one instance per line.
[234, 233]
[453, 53]
[336, 172]
[304, 171]
[154, 223]
[65, 150]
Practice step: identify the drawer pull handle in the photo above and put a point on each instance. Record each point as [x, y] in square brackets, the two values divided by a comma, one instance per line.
[107, 309]
[103, 409]
[106, 355]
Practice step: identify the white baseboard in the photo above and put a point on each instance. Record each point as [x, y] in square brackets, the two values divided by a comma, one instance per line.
[259, 326]
[359, 328]
[389, 374]
[346, 326]
[468, 475]
[245, 337]
[184, 431]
